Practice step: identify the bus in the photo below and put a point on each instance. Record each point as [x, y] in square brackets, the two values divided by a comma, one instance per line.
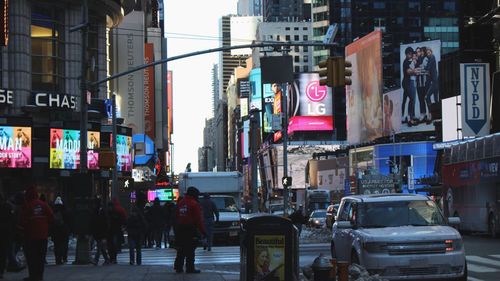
[471, 183]
[316, 199]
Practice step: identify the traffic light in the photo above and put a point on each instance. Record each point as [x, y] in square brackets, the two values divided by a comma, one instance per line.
[326, 72]
[335, 72]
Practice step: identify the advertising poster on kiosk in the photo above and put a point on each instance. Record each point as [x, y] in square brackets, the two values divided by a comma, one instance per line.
[15, 147]
[269, 257]
[65, 149]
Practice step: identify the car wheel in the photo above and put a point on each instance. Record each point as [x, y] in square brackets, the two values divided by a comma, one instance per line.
[332, 249]
[354, 258]
[492, 227]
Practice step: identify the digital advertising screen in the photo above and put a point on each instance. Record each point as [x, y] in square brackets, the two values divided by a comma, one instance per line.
[15, 147]
[123, 153]
[364, 96]
[65, 149]
[164, 194]
[310, 105]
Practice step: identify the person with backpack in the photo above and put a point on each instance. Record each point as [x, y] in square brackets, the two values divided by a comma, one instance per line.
[136, 229]
[60, 232]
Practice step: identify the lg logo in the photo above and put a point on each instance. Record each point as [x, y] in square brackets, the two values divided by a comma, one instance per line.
[316, 94]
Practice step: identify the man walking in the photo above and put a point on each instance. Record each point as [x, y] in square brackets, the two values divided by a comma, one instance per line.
[189, 227]
[35, 218]
[209, 212]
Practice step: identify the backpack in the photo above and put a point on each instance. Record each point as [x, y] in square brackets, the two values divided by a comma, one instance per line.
[58, 219]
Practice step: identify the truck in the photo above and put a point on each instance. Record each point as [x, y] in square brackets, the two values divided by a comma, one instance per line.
[225, 189]
[316, 199]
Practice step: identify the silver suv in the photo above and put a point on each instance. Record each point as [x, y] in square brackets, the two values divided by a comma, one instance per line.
[398, 236]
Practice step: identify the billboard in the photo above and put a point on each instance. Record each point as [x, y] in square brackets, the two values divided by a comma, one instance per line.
[420, 84]
[129, 46]
[392, 112]
[65, 149]
[364, 96]
[149, 92]
[311, 105]
[123, 153]
[15, 147]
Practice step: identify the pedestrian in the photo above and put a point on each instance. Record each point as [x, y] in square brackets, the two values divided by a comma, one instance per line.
[188, 230]
[99, 231]
[16, 203]
[210, 212]
[148, 238]
[156, 213]
[35, 219]
[112, 237]
[136, 227]
[298, 218]
[6, 232]
[123, 215]
[169, 214]
[60, 232]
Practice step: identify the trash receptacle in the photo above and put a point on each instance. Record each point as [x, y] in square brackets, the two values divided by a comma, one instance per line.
[269, 249]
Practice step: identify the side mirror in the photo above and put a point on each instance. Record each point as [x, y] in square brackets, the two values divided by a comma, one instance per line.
[344, 224]
[454, 221]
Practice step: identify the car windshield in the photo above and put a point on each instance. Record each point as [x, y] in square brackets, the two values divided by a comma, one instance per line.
[320, 214]
[225, 204]
[399, 213]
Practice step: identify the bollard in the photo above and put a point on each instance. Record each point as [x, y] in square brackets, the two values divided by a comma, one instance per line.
[343, 270]
[321, 268]
[333, 271]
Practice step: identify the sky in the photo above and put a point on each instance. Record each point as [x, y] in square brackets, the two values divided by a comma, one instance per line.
[192, 26]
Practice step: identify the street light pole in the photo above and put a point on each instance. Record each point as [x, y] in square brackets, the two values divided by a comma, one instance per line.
[83, 86]
[285, 150]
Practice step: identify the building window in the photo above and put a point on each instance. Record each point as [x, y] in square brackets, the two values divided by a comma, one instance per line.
[378, 5]
[46, 49]
[287, 38]
[304, 28]
[306, 68]
[296, 37]
[450, 6]
[277, 38]
[296, 58]
[305, 37]
[295, 28]
[306, 59]
[297, 69]
[287, 28]
[297, 49]
[306, 49]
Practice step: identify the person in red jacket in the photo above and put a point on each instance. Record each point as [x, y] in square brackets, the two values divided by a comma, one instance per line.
[188, 230]
[35, 219]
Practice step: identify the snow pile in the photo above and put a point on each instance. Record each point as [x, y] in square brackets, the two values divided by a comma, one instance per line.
[315, 235]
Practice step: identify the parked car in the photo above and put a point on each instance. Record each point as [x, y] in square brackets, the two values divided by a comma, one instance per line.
[331, 212]
[398, 236]
[317, 219]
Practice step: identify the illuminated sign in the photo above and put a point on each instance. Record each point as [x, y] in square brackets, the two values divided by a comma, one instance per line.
[6, 97]
[15, 147]
[123, 152]
[54, 100]
[166, 194]
[65, 149]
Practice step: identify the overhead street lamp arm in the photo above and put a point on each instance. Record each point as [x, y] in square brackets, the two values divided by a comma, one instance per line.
[220, 49]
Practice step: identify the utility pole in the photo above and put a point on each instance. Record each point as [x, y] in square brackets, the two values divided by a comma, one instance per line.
[284, 131]
[254, 128]
[82, 246]
[114, 190]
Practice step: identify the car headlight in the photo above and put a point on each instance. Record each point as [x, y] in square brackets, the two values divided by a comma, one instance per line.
[374, 247]
[453, 244]
[316, 221]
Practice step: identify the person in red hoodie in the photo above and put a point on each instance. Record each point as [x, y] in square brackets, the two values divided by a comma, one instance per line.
[188, 230]
[35, 218]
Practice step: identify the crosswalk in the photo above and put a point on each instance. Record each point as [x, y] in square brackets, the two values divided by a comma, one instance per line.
[218, 255]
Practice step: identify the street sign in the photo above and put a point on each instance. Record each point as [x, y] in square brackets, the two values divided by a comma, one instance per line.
[475, 92]
[330, 34]
[287, 181]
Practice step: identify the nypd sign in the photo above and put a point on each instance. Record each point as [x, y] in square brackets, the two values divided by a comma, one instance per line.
[475, 91]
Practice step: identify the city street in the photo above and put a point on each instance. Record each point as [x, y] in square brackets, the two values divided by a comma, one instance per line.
[483, 260]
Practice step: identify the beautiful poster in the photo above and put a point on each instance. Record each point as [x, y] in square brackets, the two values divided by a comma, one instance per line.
[15, 147]
[364, 96]
[269, 257]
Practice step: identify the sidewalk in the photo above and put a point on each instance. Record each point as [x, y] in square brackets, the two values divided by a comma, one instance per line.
[119, 273]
